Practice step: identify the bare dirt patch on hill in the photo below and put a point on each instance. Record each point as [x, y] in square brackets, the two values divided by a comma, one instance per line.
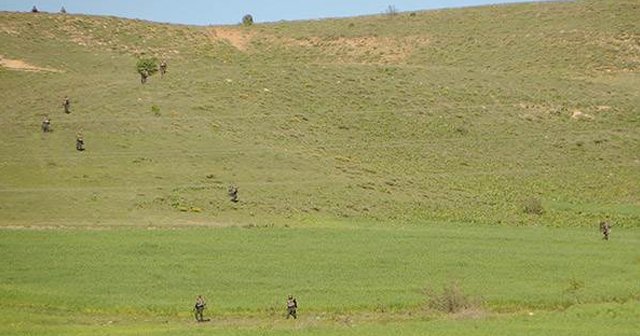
[23, 66]
[237, 38]
[361, 49]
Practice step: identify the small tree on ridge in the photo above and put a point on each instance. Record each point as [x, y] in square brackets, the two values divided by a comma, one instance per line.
[247, 20]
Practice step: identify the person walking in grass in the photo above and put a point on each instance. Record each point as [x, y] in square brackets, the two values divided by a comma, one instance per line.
[605, 229]
[144, 74]
[79, 143]
[46, 125]
[233, 193]
[199, 307]
[163, 68]
[292, 307]
[67, 105]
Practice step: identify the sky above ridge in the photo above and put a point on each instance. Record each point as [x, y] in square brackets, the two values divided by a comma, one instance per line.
[219, 12]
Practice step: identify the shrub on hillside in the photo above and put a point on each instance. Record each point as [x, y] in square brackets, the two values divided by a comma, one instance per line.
[155, 109]
[148, 65]
[533, 206]
[247, 20]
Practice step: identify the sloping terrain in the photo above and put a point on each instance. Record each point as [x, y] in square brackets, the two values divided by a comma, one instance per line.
[403, 117]
[389, 167]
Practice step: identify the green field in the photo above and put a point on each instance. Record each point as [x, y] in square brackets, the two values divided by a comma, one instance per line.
[348, 279]
[379, 160]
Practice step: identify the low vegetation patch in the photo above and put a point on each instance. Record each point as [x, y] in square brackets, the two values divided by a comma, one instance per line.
[533, 206]
[451, 299]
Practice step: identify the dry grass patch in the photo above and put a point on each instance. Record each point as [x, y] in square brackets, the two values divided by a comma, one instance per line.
[532, 111]
[579, 115]
[625, 47]
[452, 300]
[364, 49]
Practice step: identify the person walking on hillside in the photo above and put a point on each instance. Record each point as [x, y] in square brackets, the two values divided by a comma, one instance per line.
[46, 125]
[605, 229]
[233, 193]
[292, 307]
[66, 104]
[79, 143]
[199, 307]
[144, 74]
[163, 68]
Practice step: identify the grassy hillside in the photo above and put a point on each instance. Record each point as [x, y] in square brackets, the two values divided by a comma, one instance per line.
[383, 118]
[378, 159]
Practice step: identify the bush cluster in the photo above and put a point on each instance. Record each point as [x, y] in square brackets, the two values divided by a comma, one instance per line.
[450, 300]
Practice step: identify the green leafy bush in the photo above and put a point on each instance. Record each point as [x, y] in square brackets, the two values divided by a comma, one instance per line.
[148, 64]
[247, 20]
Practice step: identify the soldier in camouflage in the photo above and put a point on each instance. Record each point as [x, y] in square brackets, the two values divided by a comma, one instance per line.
[605, 229]
[292, 307]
